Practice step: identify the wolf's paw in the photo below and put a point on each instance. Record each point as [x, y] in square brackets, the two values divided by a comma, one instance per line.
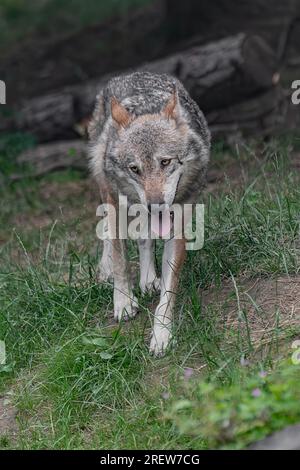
[125, 306]
[104, 275]
[160, 342]
[150, 286]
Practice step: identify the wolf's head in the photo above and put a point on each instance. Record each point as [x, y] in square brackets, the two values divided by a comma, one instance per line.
[155, 158]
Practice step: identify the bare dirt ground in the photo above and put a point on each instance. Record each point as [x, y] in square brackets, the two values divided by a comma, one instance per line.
[271, 305]
[8, 414]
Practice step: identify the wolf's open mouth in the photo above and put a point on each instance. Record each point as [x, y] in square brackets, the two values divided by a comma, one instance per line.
[162, 222]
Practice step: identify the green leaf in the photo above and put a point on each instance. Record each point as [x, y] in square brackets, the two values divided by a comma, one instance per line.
[6, 368]
[105, 355]
[182, 405]
[100, 341]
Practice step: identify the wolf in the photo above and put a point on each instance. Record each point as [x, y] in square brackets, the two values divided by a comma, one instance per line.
[149, 141]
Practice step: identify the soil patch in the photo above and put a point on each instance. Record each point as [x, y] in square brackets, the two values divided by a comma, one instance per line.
[259, 307]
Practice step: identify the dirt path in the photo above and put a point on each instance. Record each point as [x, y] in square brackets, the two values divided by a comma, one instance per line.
[259, 307]
[8, 414]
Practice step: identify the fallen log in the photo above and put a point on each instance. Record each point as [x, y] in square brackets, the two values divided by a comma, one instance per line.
[263, 115]
[155, 29]
[258, 116]
[217, 75]
[52, 156]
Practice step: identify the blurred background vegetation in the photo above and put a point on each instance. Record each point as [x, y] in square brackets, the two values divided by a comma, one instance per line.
[21, 20]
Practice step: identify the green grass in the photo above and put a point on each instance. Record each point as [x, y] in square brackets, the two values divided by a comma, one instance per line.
[80, 381]
[25, 19]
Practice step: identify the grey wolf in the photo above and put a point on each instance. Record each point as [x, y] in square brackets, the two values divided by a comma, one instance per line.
[150, 142]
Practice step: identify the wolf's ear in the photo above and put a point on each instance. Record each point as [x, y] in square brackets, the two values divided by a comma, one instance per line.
[120, 114]
[171, 109]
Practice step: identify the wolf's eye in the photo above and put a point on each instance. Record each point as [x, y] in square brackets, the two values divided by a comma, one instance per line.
[134, 169]
[165, 162]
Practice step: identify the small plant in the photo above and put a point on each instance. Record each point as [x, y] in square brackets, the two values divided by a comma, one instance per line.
[234, 416]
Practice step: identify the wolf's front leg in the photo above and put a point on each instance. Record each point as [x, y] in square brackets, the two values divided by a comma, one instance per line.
[125, 303]
[148, 280]
[173, 258]
[105, 268]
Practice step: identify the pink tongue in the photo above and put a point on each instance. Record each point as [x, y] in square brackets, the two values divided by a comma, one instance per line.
[160, 223]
